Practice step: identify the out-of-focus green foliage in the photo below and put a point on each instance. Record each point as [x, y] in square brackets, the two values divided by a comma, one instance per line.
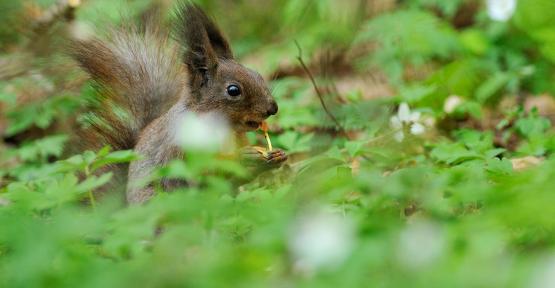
[420, 37]
[451, 188]
[8, 11]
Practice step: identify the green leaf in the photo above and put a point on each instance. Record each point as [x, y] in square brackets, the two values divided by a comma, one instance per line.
[471, 108]
[41, 149]
[494, 152]
[116, 157]
[293, 142]
[491, 87]
[92, 182]
[419, 37]
[40, 114]
[499, 166]
[8, 98]
[475, 41]
[453, 153]
[354, 147]
[532, 125]
[73, 163]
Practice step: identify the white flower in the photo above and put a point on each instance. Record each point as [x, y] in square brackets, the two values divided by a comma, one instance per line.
[501, 10]
[321, 240]
[451, 103]
[420, 244]
[4, 202]
[406, 119]
[544, 276]
[207, 132]
[528, 70]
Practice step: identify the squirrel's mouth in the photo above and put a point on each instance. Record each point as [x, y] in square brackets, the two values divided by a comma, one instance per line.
[253, 124]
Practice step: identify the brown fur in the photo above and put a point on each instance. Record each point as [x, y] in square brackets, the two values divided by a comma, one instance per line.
[133, 71]
[143, 74]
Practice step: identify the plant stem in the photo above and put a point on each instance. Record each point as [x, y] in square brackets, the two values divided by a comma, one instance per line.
[318, 93]
[90, 192]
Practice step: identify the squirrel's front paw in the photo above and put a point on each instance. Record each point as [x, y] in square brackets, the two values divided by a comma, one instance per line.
[275, 157]
[258, 155]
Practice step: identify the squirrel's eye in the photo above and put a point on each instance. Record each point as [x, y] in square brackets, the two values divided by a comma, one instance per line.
[233, 90]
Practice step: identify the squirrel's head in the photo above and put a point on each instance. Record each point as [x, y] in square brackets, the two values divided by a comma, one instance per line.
[217, 82]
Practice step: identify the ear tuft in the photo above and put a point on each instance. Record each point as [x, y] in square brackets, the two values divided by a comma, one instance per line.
[201, 37]
[217, 39]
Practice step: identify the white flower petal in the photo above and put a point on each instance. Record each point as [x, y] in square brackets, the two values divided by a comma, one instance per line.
[527, 70]
[417, 129]
[399, 136]
[396, 122]
[420, 244]
[414, 116]
[501, 10]
[207, 132]
[544, 276]
[404, 112]
[428, 121]
[451, 103]
[321, 240]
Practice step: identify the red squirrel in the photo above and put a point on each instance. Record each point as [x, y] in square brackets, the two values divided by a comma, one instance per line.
[154, 80]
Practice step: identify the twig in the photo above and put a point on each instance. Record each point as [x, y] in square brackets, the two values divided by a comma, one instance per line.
[318, 93]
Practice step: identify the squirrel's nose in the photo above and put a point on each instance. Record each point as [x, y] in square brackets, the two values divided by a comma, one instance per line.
[273, 109]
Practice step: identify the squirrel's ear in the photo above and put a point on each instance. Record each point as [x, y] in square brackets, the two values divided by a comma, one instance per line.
[203, 40]
[217, 39]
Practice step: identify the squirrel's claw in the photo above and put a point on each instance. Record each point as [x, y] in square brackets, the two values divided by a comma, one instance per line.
[275, 157]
